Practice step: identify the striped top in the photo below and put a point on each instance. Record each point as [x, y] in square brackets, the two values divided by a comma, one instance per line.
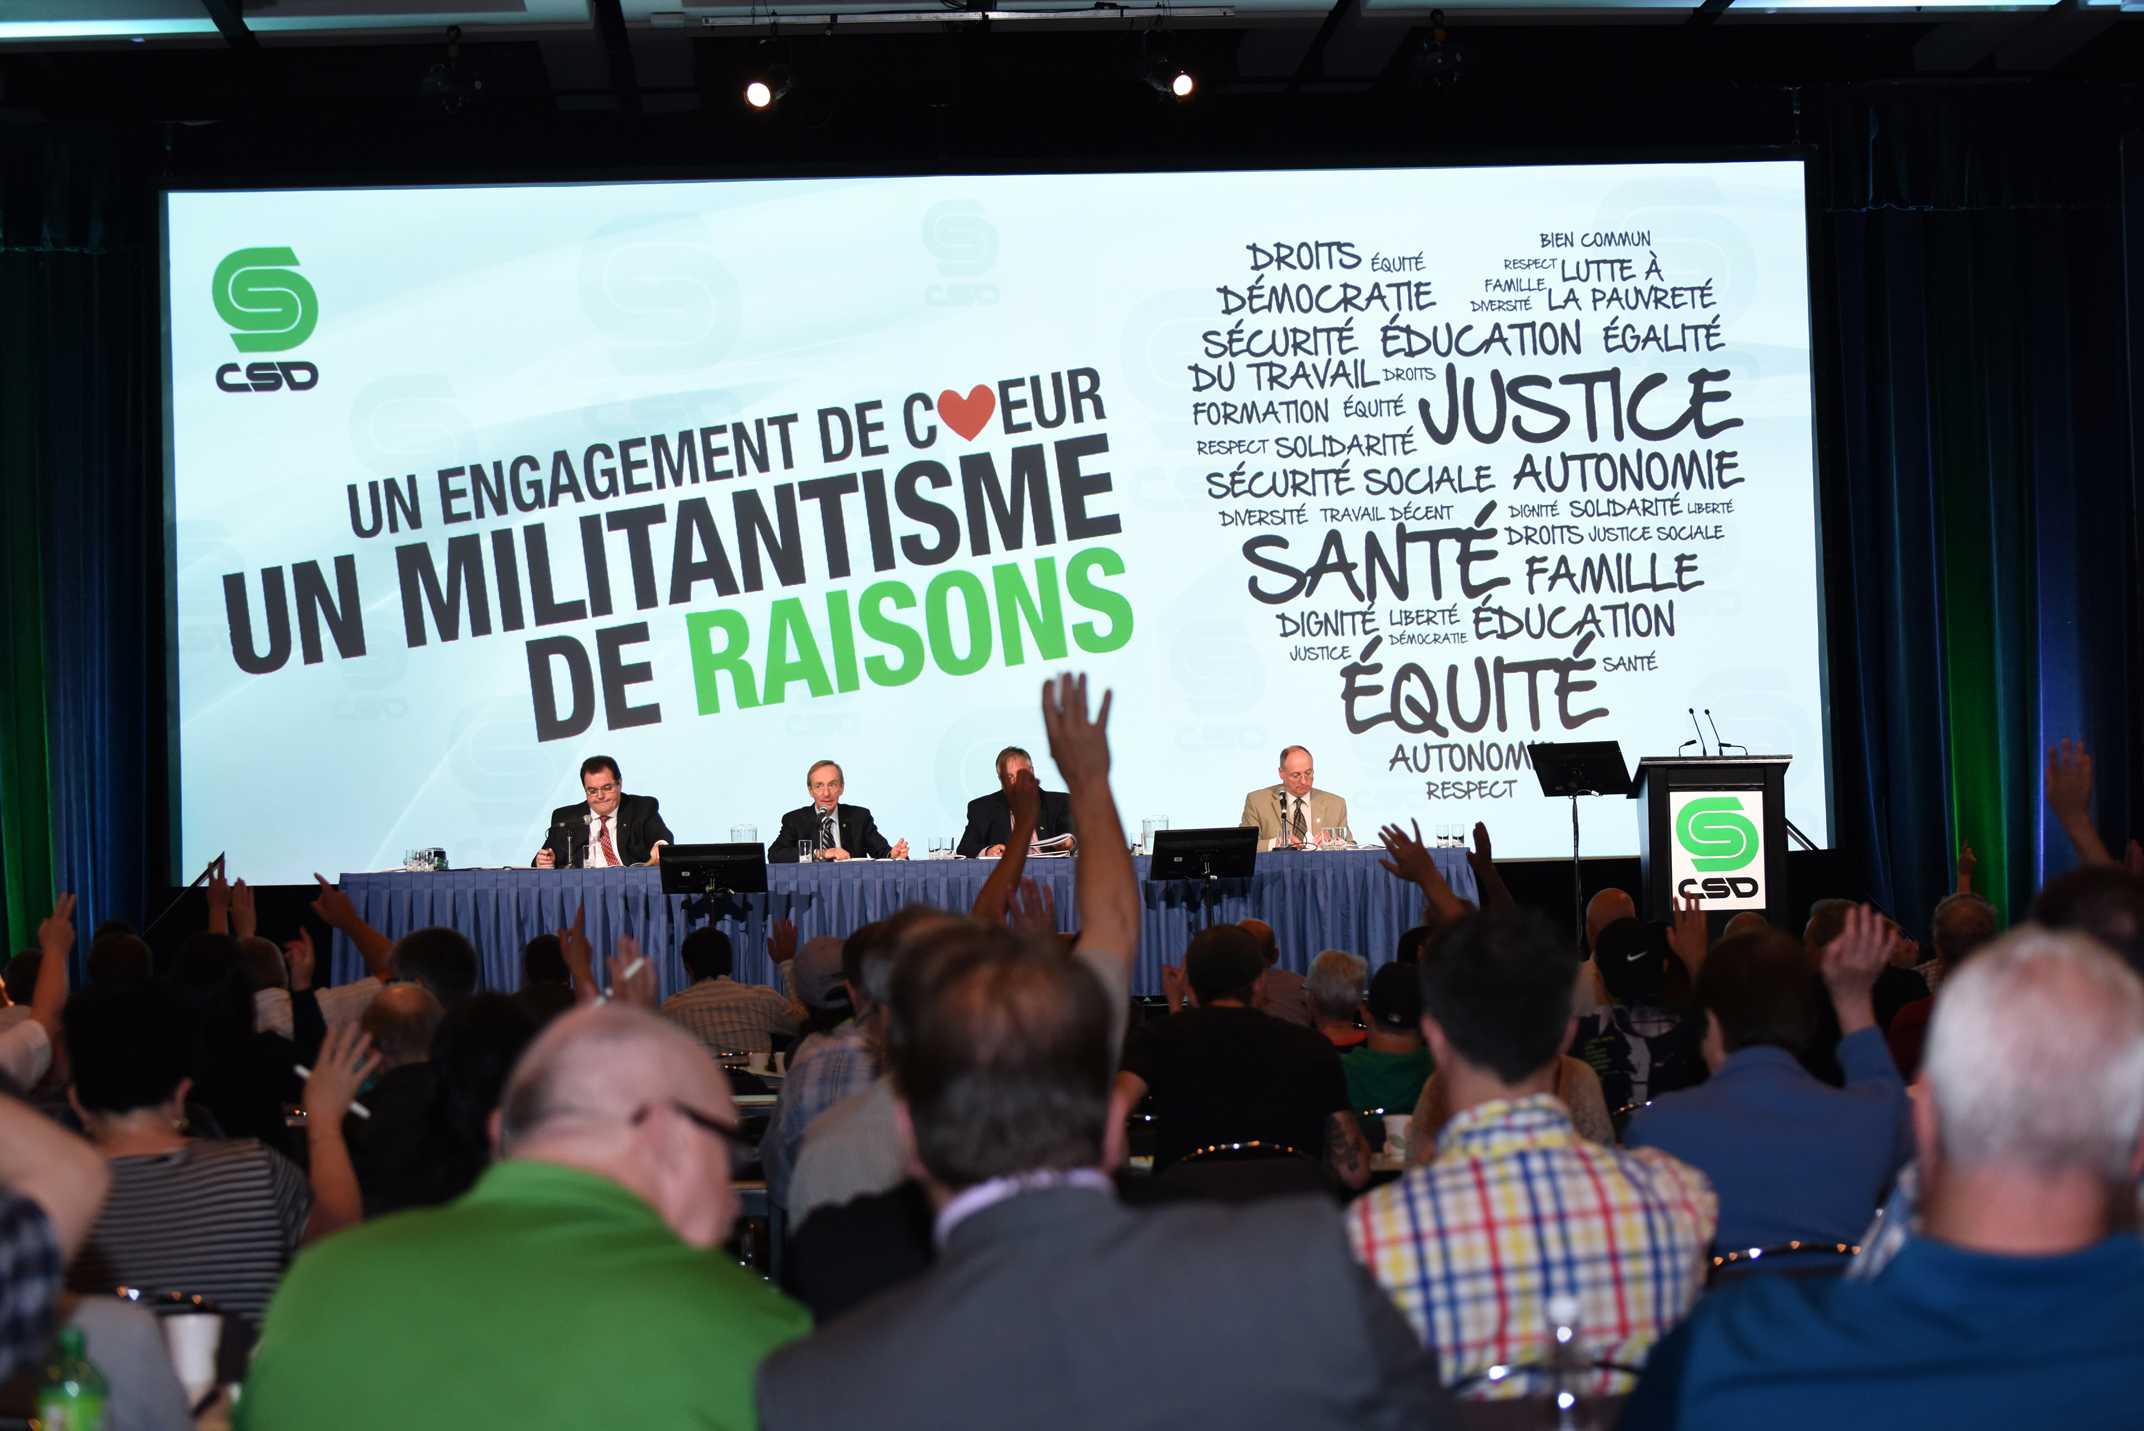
[217, 1219]
[1516, 1208]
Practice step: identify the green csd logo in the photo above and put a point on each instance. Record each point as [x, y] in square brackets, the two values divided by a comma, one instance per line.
[270, 306]
[1716, 834]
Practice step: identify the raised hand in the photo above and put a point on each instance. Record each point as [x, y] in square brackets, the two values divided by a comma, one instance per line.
[346, 1060]
[632, 978]
[1852, 963]
[782, 941]
[1035, 911]
[1026, 799]
[2069, 781]
[899, 850]
[299, 957]
[334, 907]
[1411, 859]
[219, 900]
[55, 932]
[1689, 938]
[1967, 863]
[244, 923]
[1079, 746]
[1174, 985]
[580, 957]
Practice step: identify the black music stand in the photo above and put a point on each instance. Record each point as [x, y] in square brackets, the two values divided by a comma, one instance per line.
[1573, 768]
[1227, 852]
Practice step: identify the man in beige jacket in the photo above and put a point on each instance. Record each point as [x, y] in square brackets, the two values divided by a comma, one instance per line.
[1290, 815]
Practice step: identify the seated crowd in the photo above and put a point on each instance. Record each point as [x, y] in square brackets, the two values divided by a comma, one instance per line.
[1672, 1178]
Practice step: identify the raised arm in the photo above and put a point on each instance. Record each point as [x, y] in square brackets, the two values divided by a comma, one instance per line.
[995, 897]
[2069, 799]
[346, 1061]
[1967, 863]
[1104, 881]
[55, 1169]
[337, 912]
[55, 940]
[1487, 881]
[1690, 938]
[1852, 963]
[1412, 861]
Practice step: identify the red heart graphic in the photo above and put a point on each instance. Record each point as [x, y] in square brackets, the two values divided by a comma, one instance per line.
[967, 415]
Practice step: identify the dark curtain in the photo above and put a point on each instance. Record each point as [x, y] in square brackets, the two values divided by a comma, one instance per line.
[1980, 487]
[81, 433]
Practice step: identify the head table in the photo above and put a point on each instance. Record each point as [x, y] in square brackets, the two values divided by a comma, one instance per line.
[1314, 901]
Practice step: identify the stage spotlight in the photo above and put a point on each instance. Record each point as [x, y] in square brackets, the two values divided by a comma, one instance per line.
[765, 89]
[1171, 80]
[1182, 85]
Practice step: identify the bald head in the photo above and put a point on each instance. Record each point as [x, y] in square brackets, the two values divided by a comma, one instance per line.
[1605, 909]
[1261, 931]
[1749, 921]
[402, 1019]
[623, 1093]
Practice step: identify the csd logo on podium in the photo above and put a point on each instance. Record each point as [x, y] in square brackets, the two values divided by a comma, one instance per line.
[271, 308]
[1716, 848]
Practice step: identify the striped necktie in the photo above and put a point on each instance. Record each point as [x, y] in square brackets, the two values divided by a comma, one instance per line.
[1301, 829]
[610, 853]
[826, 830]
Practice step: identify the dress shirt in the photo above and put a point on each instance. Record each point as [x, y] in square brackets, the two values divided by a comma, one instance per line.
[988, 1194]
[25, 1053]
[1791, 1158]
[729, 1017]
[271, 1011]
[596, 859]
[1516, 1208]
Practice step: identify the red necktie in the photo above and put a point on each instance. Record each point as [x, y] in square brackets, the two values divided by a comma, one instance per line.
[610, 855]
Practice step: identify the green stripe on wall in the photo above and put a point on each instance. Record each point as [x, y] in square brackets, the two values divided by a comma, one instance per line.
[25, 802]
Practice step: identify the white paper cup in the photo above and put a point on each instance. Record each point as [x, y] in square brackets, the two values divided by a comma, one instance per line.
[192, 1340]
[1396, 1125]
[757, 1063]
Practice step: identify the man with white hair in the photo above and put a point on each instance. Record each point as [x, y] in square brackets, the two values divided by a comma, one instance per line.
[2020, 1300]
[580, 1283]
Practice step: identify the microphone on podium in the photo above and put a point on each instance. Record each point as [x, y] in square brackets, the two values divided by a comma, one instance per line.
[1700, 741]
[1717, 743]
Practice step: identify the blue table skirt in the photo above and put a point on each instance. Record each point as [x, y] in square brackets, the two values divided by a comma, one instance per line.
[1342, 900]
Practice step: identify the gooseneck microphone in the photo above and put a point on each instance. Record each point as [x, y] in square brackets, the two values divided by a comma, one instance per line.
[1699, 729]
[1717, 743]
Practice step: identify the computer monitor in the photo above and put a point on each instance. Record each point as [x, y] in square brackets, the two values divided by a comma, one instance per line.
[714, 869]
[1230, 852]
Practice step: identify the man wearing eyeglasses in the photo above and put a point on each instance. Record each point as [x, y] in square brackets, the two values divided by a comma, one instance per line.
[834, 831]
[610, 828]
[604, 1211]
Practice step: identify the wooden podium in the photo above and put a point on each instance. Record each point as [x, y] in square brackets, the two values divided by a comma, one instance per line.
[1716, 827]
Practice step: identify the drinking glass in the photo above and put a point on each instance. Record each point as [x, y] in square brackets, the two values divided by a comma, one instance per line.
[1146, 833]
[1339, 838]
[806, 851]
[744, 834]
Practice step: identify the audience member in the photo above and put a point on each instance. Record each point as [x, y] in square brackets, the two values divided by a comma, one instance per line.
[1577, 1088]
[26, 1048]
[125, 1341]
[1896, 986]
[473, 1051]
[271, 984]
[1334, 989]
[1280, 992]
[21, 976]
[2018, 1300]
[242, 1075]
[1386, 1072]
[1790, 1158]
[401, 1024]
[580, 1283]
[119, 956]
[1516, 1208]
[217, 1218]
[345, 1003]
[2103, 901]
[1749, 921]
[546, 983]
[442, 960]
[1408, 950]
[1639, 1045]
[724, 1015]
[1222, 1072]
[1962, 923]
[52, 1186]
[1002, 1058]
[839, 1065]
[821, 992]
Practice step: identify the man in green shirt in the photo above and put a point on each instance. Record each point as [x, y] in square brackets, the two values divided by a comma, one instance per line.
[1388, 1070]
[578, 1284]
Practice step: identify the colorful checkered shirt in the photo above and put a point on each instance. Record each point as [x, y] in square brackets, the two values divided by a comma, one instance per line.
[828, 1069]
[1516, 1208]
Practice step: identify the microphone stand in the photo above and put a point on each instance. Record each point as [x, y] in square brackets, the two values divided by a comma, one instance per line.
[192, 884]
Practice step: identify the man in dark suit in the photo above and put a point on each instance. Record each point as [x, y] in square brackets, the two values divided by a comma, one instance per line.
[1049, 1298]
[834, 831]
[609, 828]
[990, 816]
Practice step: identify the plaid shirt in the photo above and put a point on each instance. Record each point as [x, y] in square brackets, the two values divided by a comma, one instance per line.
[729, 1017]
[1517, 1208]
[834, 1066]
[30, 1273]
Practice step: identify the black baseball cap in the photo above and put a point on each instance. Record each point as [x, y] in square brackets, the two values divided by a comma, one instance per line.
[1395, 997]
[1633, 958]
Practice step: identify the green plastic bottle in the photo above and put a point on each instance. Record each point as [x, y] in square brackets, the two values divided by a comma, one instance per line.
[72, 1397]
